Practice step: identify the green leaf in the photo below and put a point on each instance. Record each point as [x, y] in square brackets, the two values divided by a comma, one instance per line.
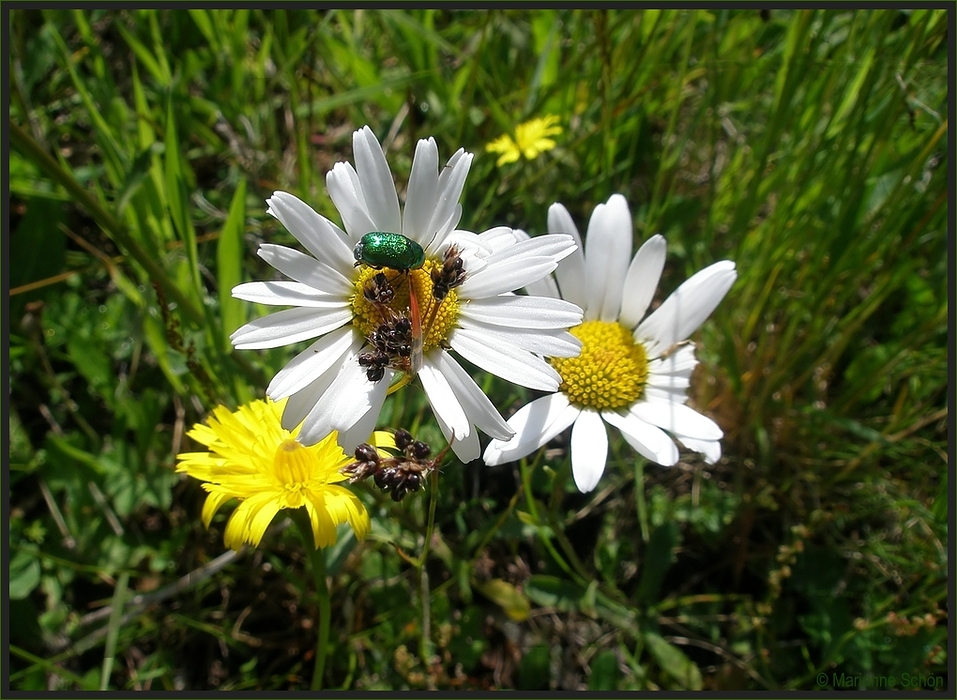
[92, 362]
[176, 200]
[113, 629]
[229, 264]
[658, 558]
[142, 53]
[469, 642]
[511, 600]
[37, 247]
[134, 178]
[201, 18]
[168, 361]
[104, 133]
[534, 668]
[674, 662]
[61, 445]
[24, 574]
[553, 592]
[605, 673]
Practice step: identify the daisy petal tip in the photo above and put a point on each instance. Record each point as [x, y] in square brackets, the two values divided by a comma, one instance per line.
[492, 457]
[586, 479]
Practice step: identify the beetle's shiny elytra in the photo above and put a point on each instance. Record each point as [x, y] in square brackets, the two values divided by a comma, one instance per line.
[392, 250]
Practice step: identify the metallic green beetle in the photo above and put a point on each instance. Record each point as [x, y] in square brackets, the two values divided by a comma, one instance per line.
[392, 250]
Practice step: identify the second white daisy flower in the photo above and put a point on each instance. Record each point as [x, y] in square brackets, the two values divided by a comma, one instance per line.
[632, 373]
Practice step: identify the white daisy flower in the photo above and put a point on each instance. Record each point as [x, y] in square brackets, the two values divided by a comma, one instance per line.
[375, 320]
[632, 373]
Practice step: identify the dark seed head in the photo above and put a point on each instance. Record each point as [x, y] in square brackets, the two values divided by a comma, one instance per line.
[450, 275]
[413, 482]
[367, 453]
[375, 362]
[378, 289]
[385, 478]
[403, 438]
[420, 450]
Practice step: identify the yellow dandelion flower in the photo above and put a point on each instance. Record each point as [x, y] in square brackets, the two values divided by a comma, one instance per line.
[253, 458]
[531, 139]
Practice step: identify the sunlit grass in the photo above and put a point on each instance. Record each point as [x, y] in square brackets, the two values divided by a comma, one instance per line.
[810, 147]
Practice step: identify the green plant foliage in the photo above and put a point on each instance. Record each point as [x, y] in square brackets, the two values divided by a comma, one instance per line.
[809, 146]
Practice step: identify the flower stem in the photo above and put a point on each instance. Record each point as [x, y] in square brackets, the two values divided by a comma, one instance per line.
[433, 499]
[426, 641]
[640, 498]
[546, 537]
[317, 560]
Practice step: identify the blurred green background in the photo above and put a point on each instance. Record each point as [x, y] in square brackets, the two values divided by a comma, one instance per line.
[808, 146]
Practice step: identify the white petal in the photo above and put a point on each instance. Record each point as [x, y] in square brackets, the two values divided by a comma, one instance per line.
[443, 400]
[287, 294]
[523, 312]
[439, 235]
[451, 181]
[350, 438]
[687, 307]
[534, 424]
[679, 419]
[287, 327]
[589, 447]
[552, 245]
[546, 286]
[544, 343]
[350, 396]
[305, 269]
[641, 281]
[681, 361]
[505, 277]
[571, 273]
[467, 449]
[422, 192]
[650, 442]
[672, 382]
[299, 404]
[326, 241]
[327, 352]
[508, 362]
[711, 449]
[550, 343]
[345, 191]
[666, 395]
[607, 250]
[378, 187]
[478, 408]
[500, 238]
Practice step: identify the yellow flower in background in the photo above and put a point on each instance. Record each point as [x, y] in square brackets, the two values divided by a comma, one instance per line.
[531, 139]
[252, 458]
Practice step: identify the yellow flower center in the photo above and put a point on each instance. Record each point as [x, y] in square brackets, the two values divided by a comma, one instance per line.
[436, 319]
[293, 466]
[611, 371]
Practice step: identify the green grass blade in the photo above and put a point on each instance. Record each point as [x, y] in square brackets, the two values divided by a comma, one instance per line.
[229, 264]
[113, 628]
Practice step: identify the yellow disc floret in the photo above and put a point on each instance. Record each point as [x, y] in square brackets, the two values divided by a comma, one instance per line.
[293, 467]
[611, 371]
[437, 318]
